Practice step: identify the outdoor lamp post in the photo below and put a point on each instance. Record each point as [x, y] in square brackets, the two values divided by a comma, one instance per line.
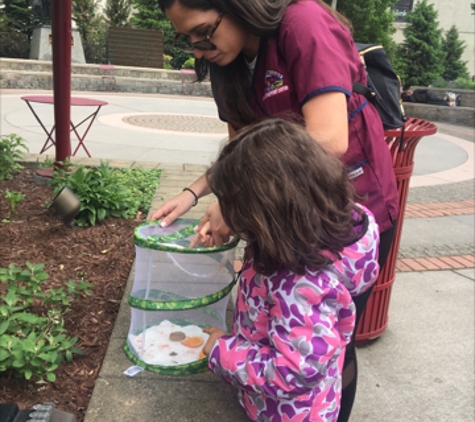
[61, 11]
[61, 33]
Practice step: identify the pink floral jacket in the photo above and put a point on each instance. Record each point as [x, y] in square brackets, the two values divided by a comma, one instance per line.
[286, 350]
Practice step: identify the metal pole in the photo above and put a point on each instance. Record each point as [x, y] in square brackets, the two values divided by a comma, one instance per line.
[334, 3]
[61, 34]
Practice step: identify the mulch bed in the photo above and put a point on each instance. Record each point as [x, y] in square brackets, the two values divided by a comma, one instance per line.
[102, 255]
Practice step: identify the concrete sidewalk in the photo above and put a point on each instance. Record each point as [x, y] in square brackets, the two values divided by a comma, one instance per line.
[420, 369]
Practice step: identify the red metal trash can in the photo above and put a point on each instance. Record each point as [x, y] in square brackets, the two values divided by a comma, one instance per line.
[375, 317]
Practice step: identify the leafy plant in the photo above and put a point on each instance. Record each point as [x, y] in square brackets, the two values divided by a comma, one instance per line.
[167, 62]
[10, 152]
[92, 28]
[104, 191]
[142, 184]
[454, 66]
[420, 57]
[460, 83]
[48, 162]
[13, 44]
[33, 340]
[15, 198]
[117, 12]
[189, 64]
[17, 20]
[372, 21]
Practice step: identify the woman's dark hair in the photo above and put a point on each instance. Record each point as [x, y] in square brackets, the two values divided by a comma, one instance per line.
[283, 194]
[230, 84]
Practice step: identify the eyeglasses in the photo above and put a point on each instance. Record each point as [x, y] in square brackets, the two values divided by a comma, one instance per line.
[183, 42]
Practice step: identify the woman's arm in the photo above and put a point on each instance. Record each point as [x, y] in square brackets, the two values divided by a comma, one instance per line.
[326, 120]
[180, 204]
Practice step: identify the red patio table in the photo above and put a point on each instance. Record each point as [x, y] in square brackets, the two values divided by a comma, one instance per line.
[402, 145]
[75, 101]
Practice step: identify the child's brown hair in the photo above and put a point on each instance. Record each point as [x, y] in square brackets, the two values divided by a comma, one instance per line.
[283, 194]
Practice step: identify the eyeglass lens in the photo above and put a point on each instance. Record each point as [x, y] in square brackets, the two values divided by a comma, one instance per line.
[183, 42]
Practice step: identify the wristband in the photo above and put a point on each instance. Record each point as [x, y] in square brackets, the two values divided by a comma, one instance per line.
[194, 194]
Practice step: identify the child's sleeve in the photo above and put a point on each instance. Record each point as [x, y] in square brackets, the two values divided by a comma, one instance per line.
[308, 328]
[359, 266]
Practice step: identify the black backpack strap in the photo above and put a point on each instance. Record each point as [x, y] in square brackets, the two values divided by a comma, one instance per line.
[363, 90]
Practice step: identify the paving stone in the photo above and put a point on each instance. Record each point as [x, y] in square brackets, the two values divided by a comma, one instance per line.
[195, 168]
[179, 123]
[148, 165]
[459, 191]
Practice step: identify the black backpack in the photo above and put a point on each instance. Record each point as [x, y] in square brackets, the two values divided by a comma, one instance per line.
[384, 86]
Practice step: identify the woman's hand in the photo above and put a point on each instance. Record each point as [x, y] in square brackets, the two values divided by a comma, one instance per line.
[173, 208]
[214, 334]
[212, 230]
[180, 204]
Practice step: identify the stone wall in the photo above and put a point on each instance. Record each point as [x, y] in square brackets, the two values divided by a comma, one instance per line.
[464, 116]
[467, 95]
[35, 74]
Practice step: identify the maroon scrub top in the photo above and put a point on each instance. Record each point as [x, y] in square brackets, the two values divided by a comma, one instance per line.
[313, 53]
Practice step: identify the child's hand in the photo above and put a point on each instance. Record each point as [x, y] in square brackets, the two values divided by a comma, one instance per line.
[203, 237]
[214, 334]
[212, 229]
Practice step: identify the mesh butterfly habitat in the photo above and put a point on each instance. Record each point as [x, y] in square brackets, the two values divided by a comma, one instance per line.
[177, 291]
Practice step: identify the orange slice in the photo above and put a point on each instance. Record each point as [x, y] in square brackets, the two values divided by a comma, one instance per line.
[193, 341]
[201, 355]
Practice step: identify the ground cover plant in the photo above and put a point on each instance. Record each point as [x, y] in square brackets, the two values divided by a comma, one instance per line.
[107, 192]
[12, 148]
[33, 340]
[80, 271]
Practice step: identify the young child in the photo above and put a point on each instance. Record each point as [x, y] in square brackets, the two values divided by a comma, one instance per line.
[309, 249]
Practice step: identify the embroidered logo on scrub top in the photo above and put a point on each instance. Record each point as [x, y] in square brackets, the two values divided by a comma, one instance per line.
[274, 84]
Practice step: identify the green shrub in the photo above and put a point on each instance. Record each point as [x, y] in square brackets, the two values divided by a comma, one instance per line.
[33, 340]
[141, 183]
[460, 83]
[14, 45]
[189, 64]
[464, 84]
[10, 151]
[107, 192]
[167, 62]
[439, 83]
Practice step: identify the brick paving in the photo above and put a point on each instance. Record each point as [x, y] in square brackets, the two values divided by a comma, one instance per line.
[444, 262]
[453, 192]
[456, 262]
[440, 209]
